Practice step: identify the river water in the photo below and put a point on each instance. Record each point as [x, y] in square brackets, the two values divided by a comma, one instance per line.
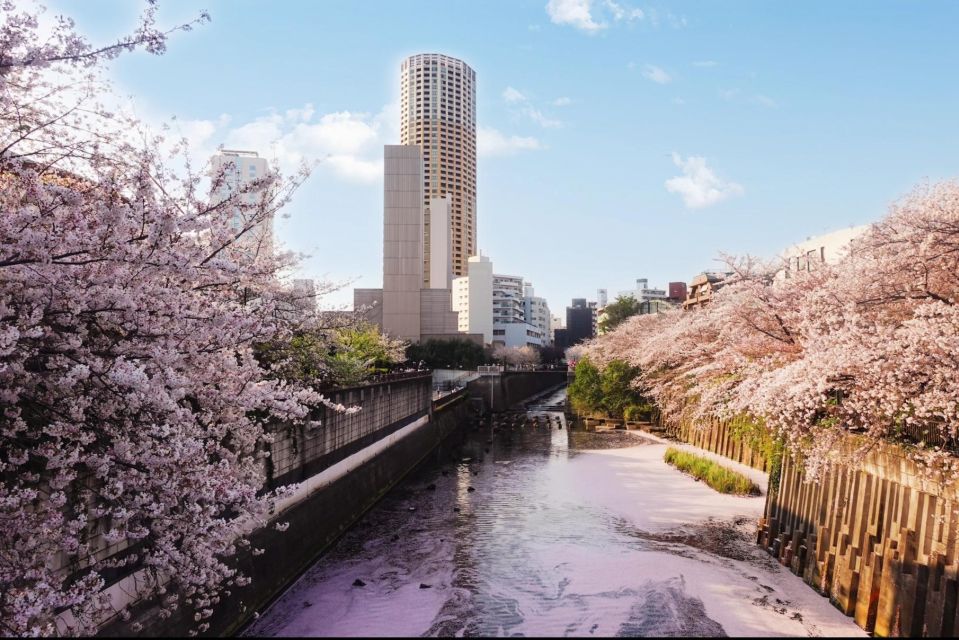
[531, 529]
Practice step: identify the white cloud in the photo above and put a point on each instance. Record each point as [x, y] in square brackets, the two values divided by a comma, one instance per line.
[630, 65]
[729, 94]
[539, 118]
[525, 108]
[699, 186]
[587, 16]
[575, 13]
[348, 144]
[679, 101]
[513, 95]
[623, 12]
[657, 75]
[705, 63]
[490, 142]
[562, 102]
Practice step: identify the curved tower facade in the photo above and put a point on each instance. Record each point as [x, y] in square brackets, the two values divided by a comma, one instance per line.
[438, 113]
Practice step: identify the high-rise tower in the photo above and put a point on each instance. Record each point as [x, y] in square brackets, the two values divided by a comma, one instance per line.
[438, 113]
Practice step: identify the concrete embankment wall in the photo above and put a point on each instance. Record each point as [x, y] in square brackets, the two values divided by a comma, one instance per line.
[340, 466]
[343, 465]
[513, 387]
[719, 437]
[879, 539]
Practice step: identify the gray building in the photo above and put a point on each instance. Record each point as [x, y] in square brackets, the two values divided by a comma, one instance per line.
[403, 308]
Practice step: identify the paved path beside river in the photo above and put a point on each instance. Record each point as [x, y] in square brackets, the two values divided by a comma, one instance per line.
[563, 534]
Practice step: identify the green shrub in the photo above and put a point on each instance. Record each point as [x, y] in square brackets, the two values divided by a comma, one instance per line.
[716, 476]
[638, 412]
[608, 392]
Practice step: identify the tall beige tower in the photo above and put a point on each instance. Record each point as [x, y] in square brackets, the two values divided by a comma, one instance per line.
[438, 113]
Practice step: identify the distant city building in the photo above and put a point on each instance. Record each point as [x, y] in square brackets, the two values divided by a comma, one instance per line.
[702, 287]
[240, 168]
[304, 295]
[644, 292]
[440, 265]
[580, 321]
[403, 308]
[601, 298]
[473, 298]
[536, 312]
[501, 307]
[438, 114]
[507, 299]
[828, 248]
[677, 292]
[561, 339]
[654, 306]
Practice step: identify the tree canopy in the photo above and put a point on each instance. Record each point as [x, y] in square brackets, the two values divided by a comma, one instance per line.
[616, 312]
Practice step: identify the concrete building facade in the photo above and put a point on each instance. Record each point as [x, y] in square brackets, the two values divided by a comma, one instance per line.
[438, 114]
[644, 292]
[508, 299]
[677, 292]
[402, 240]
[501, 307]
[440, 263]
[602, 298]
[239, 168]
[828, 248]
[517, 334]
[580, 321]
[403, 308]
[473, 296]
[536, 313]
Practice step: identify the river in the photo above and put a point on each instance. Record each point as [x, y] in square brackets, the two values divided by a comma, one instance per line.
[529, 529]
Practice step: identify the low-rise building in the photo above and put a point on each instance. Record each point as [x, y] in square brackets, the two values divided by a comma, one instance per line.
[828, 248]
[702, 287]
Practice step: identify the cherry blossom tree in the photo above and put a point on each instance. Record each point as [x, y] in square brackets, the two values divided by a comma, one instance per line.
[524, 356]
[132, 409]
[868, 345]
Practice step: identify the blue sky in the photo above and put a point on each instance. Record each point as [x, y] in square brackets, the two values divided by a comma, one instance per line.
[618, 139]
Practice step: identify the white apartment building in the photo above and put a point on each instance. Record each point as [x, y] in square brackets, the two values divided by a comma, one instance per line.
[536, 312]
[472, 298]
[644, 292]
[602, 298]
[501, 307]
[508, 299]
[517, 334]
[239, 168]
[828, 248]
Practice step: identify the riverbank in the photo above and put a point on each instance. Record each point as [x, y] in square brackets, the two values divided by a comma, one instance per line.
[539, 531]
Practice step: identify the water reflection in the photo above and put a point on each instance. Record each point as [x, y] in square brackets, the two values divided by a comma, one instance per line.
[488, 539]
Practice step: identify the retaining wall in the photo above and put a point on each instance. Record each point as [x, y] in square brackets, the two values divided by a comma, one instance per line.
[513, 387]
[345, 465]
[718, 437]
[879, 540]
